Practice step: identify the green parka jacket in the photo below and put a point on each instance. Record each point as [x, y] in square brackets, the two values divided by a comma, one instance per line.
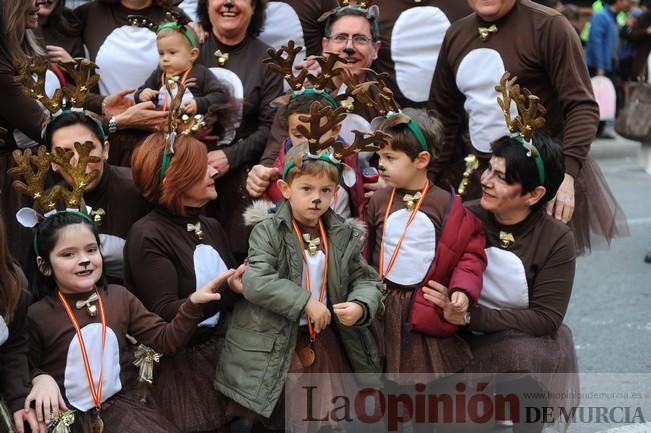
[262, 334]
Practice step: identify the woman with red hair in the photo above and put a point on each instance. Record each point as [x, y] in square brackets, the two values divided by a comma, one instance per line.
[170, 253]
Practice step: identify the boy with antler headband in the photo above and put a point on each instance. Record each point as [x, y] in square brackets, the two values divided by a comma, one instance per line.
[306, 90]
[309, 296]
[419, 232]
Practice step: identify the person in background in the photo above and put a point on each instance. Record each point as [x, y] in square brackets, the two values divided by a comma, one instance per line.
[61, 30]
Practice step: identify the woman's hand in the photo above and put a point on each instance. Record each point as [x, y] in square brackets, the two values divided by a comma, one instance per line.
[348, 313]
[142, 116]
[318, 314]
[47, 398]
[117, 103]
[454, 309]
[218, 160]
[207, 293]
[561, 207]
[58, 55]
[235, 280]
[21, 416]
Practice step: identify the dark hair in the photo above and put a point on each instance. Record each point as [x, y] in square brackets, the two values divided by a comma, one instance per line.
[46, 236]
[522, 169]
[255, 26]
[64, 20]
[309, 167]
[353, 11]
[10, 289]
[404, 140]
[300, 104]
[70, 118]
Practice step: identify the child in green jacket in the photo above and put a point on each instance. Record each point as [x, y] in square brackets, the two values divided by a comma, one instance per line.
[309, 297]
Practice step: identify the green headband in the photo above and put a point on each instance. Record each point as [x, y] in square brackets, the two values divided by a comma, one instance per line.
[316, 92]
[532, 151]
[413, 127]
[72, 211]
[180, 28]
[326, 157]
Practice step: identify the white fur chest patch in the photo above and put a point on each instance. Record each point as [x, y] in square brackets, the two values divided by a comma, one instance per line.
[417, 251]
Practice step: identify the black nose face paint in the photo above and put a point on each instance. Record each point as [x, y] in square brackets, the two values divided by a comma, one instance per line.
[85, 264]
[349, 51]
[229, 4]
[380, 167]
[316, 202]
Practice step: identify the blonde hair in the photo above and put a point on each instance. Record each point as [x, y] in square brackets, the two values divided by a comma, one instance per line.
[17, 41]
[309, 167]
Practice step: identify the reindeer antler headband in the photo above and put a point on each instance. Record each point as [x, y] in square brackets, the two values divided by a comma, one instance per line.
[281, 61]
[332, 150]
[376, 95]
[177, 121]
[527, 121]
[364, 8]
[175, 21]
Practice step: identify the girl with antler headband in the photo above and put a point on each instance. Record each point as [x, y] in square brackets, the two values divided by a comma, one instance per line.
[77, 332]
[309, 296]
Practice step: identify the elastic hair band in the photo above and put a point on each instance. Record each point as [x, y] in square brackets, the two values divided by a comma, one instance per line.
[98, 125]
[418, 133]
[320, 93]
[308, 157]
[533, 151]
[72, 211]
[180, 28]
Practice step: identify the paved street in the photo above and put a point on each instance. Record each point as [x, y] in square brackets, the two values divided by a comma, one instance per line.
[609, 313]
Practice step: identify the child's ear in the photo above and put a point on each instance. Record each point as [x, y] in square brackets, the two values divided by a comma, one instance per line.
[284, 188]
[194, 54]
[43, 267]
[423, 159]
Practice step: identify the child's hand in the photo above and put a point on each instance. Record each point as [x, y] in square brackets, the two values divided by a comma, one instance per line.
[348, 313]
[47, 397]
[207, 293]
[459, 302]
[235, 281]
[318, 314]
[148, 95]
[190, 107]
[20, 417]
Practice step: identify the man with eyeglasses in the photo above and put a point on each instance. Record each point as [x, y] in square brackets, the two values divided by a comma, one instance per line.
[353, 33]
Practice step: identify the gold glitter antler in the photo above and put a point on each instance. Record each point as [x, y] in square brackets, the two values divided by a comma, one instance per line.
[363, 142]
[332, 118]
[377, 96]
[361, 3]
[530, 110]
[37, 66]
[34, 180]
[80, 179]
[83, 75]
[282, 62]
[328, 70]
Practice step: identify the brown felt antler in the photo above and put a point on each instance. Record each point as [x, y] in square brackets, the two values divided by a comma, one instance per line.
[77, 172]
[33, 184]
[332, 117]
[328, 70]
[527, 104]
[363, 142]
[376, 96]
[282, 62]
[37, 66]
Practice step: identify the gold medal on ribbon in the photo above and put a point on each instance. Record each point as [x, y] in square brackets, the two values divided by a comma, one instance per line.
[307, 356]
[98, 427]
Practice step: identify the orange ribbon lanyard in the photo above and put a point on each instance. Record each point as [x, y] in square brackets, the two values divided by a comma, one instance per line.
[162, 79]
[324, 280]
[95, 391]
[414, 211]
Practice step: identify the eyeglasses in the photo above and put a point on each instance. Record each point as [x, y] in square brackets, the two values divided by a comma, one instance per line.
[342, 39]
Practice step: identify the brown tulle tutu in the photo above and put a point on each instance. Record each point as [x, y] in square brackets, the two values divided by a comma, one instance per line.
[408, 353]
[329, 359]
[183, 387]
[125, 413]
[598, 218]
